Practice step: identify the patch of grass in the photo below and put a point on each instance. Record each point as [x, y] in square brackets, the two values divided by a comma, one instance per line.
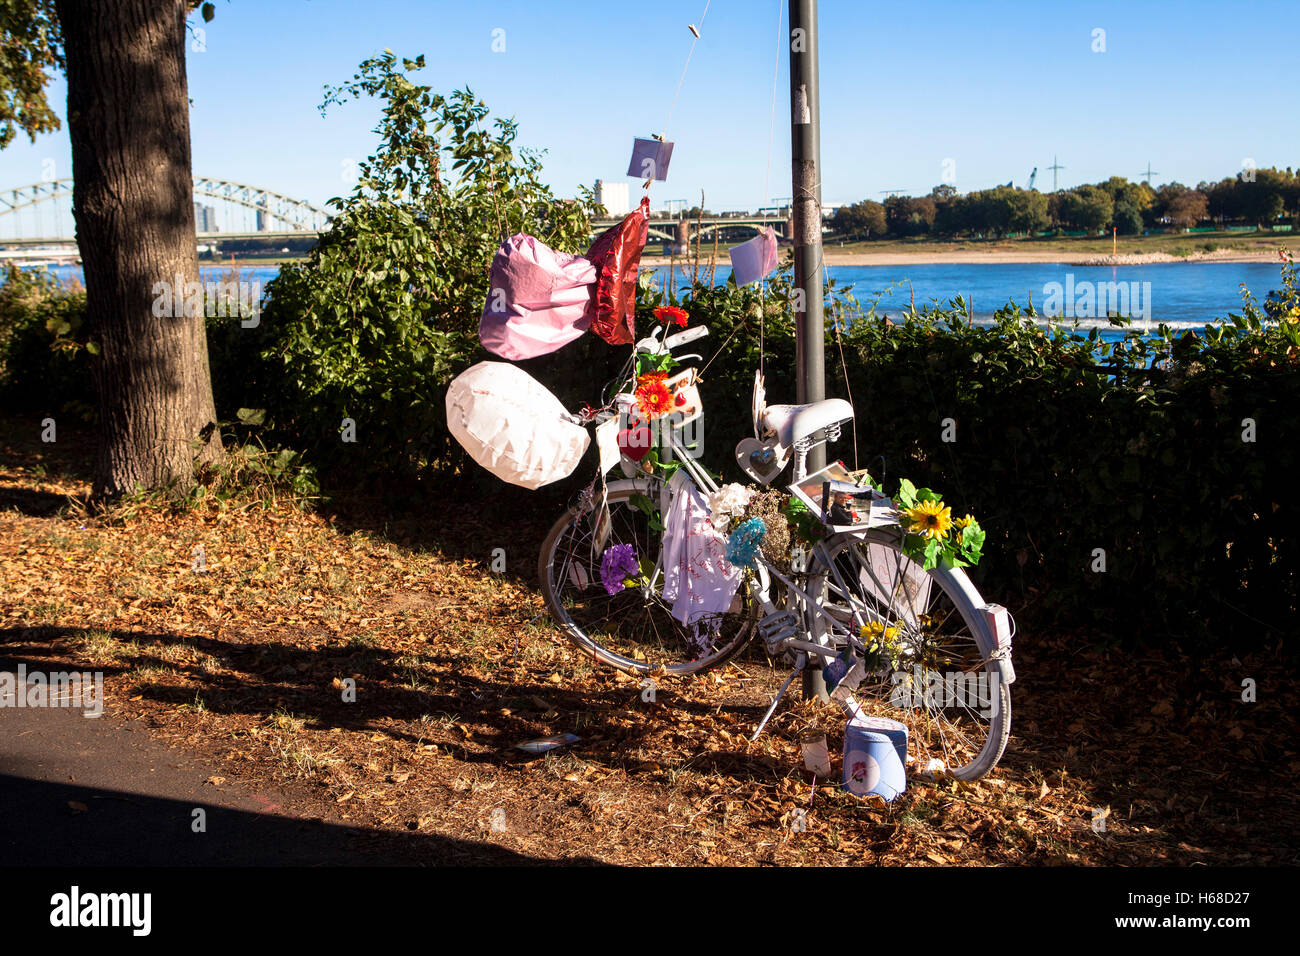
[296, 757]
[140, 588]
[48, 611]
[919, 814]
[413, 672]
[679, 776]
[150, 673]
[100, 645]
[285, 721]
[561, 764]
[441, 721]
[180, 652]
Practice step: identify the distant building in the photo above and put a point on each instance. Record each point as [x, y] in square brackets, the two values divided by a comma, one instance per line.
[205, 218]
[263, 220]
[613, 196]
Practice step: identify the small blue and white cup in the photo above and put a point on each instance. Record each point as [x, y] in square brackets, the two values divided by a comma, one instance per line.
[871, 764]
[893, 729]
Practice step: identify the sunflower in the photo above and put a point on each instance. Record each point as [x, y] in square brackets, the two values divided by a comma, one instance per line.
[882, 642]
[930, 518]
[667, 313]
[873, 631]
[653, 397]
[961, 524]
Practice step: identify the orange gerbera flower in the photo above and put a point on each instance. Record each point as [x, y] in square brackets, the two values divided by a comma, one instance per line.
[653, 397]
[670, 313]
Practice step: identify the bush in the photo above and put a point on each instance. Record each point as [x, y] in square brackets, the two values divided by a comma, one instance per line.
[385, 311]
[42, 348]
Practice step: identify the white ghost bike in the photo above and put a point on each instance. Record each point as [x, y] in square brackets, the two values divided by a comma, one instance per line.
[945, 670]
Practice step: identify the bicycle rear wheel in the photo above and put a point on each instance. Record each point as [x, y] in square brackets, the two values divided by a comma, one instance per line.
[934, 670]
[632, 630]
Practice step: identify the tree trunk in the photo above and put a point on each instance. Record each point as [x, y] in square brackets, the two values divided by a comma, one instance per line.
[128, 119]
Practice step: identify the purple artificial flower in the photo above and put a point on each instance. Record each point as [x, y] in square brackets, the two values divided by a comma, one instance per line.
[618, 562]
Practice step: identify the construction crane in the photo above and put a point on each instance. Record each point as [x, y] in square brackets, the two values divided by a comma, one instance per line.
[1032, 177]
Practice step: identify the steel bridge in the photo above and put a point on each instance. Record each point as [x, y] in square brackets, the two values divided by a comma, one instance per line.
[41, 213]
[36, 220]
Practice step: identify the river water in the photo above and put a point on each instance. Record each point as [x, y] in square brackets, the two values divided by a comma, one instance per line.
[1181, 294]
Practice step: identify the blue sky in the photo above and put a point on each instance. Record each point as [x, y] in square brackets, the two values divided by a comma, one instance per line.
[997, 88]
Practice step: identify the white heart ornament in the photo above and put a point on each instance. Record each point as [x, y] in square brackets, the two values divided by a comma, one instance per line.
[762, 461]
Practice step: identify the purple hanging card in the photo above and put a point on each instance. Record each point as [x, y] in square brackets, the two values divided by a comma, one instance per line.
[650, 159]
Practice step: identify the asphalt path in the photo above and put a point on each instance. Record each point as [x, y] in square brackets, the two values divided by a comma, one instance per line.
[100, 791]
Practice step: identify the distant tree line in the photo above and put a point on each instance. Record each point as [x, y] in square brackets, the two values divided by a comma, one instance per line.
[1252, 197]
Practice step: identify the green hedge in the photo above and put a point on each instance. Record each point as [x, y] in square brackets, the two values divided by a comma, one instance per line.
[1070, 452]
[1063, 445]
[42, 348]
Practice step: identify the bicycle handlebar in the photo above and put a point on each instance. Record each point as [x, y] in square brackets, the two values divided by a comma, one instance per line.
[654, 346]
[682, 338]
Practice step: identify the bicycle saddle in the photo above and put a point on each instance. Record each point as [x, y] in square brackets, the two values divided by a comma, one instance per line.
[791, 423]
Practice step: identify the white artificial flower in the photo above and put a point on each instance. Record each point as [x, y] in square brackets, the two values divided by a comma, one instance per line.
[728, 502]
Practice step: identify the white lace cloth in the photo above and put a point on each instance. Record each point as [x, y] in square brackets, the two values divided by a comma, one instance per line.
[698, 579]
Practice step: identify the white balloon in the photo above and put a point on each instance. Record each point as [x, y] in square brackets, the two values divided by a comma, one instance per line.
[513, 426]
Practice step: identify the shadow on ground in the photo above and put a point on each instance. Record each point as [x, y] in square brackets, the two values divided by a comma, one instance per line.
[40, 828]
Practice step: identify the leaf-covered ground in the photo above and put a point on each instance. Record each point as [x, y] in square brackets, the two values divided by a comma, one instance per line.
[245, 662]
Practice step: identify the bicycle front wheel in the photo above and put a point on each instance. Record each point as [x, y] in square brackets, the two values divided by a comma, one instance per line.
[932, 665]
[632, 630]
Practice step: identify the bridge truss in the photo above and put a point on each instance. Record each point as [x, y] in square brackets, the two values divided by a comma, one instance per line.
[23, 210]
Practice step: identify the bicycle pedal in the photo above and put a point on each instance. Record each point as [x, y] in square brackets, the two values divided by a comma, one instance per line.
[776, 628]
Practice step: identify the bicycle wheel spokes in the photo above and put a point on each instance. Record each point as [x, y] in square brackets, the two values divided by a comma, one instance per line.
[926, 667]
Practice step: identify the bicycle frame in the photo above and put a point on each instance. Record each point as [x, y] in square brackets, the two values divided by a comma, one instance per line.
[703, 480]
[825, 609]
